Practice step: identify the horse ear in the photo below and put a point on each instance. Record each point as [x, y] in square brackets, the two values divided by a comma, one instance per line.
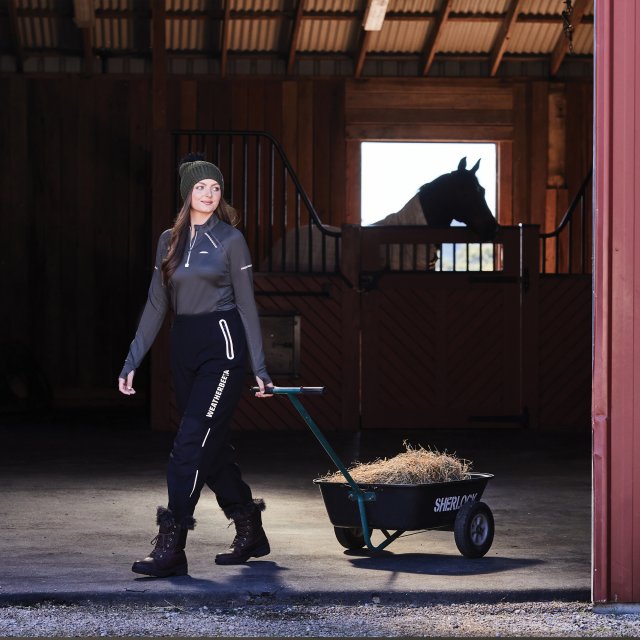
[462, 165]
[475, 166]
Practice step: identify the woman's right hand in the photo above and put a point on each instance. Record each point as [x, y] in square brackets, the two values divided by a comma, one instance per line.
[126, 385]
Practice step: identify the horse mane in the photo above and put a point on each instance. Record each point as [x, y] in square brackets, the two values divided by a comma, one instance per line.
[430, 201]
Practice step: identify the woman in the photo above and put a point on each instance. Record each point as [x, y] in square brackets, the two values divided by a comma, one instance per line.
[203, 271]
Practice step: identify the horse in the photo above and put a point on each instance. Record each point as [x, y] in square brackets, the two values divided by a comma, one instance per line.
[452, 196]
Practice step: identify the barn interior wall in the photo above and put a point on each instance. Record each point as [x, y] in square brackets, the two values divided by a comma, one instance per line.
[76, 173]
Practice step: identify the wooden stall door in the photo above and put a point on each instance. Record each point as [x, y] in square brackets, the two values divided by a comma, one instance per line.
[443, 350]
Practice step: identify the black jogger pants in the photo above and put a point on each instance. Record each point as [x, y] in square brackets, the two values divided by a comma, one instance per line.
[208, 355]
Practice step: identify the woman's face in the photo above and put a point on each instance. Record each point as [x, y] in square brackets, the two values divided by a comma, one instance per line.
[205, 196]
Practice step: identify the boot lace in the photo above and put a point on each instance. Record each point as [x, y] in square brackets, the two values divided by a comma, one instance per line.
[244, 532]
[163, 542]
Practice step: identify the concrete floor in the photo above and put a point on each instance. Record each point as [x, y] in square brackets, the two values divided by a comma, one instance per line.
[78, 497]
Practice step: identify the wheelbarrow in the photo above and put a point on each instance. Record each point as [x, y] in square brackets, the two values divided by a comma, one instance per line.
[355, 510]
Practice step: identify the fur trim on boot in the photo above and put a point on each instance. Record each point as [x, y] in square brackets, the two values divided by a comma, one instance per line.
[238, 512]
[164, 517]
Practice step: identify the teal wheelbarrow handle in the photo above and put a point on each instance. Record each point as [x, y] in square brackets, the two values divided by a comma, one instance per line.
[308, 391]
[357, 494]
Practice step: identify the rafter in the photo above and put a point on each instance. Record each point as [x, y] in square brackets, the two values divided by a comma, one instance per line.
[84, 16]
[431, 45]
[502, 39]
[224, 47]
[561, 47]
[15, 35]
[295, 35]
[362, 52]
[141, 17]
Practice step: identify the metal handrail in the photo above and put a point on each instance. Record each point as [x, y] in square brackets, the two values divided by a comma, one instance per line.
[290, 170]
[567, 220]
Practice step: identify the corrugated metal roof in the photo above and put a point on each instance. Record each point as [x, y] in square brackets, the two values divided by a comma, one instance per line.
[112, 33]
[583, 39]
[400, 36]
[480, 6]
[336, 6]
[185, 5]
[36, 4]
[185, 34]
[47, 26]
[467, 37]
[37, 32]
[549, 7]
[258, 5]
[534, 38]
[413, 6]
[117, 5]
[338, 36]
[254, 35]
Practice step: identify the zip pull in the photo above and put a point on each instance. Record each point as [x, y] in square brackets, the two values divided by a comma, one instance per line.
[186, 264]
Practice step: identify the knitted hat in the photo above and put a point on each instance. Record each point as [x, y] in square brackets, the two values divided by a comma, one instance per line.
[191, 172]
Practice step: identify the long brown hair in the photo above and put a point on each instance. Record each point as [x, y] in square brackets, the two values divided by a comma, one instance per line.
[180, 233]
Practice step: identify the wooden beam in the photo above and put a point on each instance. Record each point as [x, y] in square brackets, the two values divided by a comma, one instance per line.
[84, 17]
[362, 52]
[159, 66]
[162, 181]
[295, 35]
[562, 46]
[141, 17]
[431, 45]
[502, 39]
[15, 35]
[87, 46]
[224, 47]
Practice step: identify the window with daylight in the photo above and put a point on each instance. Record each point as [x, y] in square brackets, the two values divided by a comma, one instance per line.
[392, 173]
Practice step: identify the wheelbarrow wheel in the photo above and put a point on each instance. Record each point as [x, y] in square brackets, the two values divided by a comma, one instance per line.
[350, 537]
[473, 529]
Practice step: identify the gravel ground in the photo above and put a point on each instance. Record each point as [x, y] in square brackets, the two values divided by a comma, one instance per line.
[559, 619]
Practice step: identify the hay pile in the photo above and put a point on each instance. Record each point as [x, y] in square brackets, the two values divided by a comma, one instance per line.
[414, 466]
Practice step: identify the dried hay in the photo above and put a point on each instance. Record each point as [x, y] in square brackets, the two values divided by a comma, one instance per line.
[414, 466]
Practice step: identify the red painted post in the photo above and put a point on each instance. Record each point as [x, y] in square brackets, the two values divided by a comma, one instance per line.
[616, 364]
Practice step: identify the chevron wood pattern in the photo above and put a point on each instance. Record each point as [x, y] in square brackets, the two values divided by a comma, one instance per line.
[318, 301]
[435, 356]
[565, 352]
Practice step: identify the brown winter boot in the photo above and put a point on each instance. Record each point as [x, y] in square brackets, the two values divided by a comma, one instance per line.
[168, 557]
[250, 540]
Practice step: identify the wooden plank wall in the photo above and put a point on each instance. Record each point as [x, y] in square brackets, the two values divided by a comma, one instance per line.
[76, 178]
[565, 352]
[76, 215]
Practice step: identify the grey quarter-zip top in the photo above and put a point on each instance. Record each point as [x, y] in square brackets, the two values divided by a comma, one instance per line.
[215, 274]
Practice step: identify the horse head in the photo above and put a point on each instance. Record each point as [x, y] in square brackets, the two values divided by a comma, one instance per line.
[458, 196]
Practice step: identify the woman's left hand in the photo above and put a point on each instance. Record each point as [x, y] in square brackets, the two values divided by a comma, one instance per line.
[261, 393]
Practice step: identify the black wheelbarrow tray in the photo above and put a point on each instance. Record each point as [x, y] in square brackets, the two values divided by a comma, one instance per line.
[355, 510]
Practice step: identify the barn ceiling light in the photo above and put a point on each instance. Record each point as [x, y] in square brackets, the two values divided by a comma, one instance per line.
[374, 15]
[84, 13]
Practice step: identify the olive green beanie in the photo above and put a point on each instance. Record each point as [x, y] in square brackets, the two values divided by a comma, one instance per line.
[192, 172]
